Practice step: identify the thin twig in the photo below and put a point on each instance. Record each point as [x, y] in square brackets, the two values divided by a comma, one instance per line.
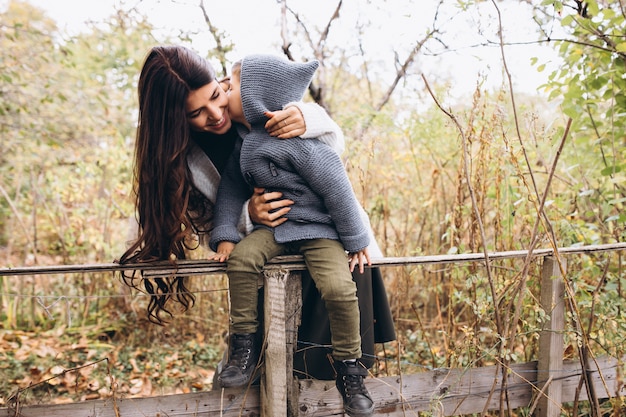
[476, 210]
[14, 399]
[512, 330]
[220, 50]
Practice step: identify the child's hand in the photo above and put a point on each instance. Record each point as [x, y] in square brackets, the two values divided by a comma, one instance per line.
[223, 251]
[359, 257]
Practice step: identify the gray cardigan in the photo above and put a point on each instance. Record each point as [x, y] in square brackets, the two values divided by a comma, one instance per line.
[306, 171]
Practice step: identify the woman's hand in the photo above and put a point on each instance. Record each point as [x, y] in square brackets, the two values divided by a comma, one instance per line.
[285, 124]
[359, 257]
[224, 250]
[267, 208]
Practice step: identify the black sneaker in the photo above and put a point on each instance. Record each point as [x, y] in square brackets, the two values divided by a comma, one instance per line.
[356, 400]
[243, 355]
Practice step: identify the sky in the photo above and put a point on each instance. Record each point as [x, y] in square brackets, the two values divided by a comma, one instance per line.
[393, 25]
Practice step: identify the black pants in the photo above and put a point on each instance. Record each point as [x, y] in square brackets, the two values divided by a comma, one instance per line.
[312, 357]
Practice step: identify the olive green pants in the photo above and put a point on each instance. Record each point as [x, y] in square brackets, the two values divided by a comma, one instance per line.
[327, 263]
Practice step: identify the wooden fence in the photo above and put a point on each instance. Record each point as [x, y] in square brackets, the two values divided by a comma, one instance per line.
[542, 385]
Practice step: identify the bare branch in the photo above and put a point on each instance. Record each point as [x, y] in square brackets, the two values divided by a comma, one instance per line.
[220, 50]
[14, 399]
[315, 89]
[283, 29]
[326, 31]
[400, 74]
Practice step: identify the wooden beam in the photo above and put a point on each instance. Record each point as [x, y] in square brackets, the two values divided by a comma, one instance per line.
[443, 392]
[551, 338]
[229, 402]
[294, 262]
[293, 309]
[452, 392]
[274, 382]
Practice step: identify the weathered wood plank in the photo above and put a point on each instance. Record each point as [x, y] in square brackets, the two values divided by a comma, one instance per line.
[551, 339]
[293, 309]
[230, 402]
[274, 382]
[448, 391]
[455, 391]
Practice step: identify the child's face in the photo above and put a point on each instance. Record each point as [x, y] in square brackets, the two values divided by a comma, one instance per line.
[234, 99]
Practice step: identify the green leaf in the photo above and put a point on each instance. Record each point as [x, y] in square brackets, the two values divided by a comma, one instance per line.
[610, 170]
[598, 82]
[592, 8]
[567, 20]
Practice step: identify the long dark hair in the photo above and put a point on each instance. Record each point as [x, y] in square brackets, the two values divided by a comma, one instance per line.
[165, 196]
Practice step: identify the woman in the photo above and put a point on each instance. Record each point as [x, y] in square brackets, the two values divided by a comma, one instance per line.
[184, 138]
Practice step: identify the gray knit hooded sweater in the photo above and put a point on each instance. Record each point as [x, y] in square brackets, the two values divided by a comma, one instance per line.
[305, 171]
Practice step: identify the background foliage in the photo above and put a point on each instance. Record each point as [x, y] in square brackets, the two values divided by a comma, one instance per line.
[67, 120]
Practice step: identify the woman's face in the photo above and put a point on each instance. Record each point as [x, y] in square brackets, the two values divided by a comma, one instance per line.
[207, 109]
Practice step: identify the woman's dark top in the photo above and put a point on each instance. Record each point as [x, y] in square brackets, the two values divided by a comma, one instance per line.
[217, 147]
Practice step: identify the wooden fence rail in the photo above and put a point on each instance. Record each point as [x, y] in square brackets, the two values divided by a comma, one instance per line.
[543, 385]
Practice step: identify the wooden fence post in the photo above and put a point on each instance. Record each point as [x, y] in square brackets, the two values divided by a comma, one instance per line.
[550, 361]
[283, 300]
[293, 308]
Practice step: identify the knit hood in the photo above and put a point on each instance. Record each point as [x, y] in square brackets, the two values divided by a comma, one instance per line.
[270, 82]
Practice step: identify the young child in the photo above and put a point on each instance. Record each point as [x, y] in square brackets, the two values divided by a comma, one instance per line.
[322, 225]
